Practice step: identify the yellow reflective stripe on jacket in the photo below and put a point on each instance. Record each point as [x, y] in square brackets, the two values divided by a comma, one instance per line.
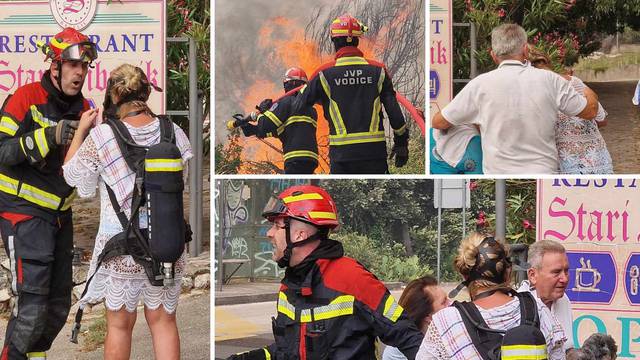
[285, 307]
[294, 198]
[300, 118]
[525, 352]
[377, 107]
[296, 119]
[41, 142]
[300, 153]
[8, 185]
[322, 215]
[392, 310]
[267, 355]
[33, 194]
[40, 197]
[154, 165]
[69, 200]
[22, 147]
[8, 126]
[340, 306]
[36, 355]
[401, 131]
[271, 116]
[351, 60]
[356, 138]
[40, 119]
[334, 111]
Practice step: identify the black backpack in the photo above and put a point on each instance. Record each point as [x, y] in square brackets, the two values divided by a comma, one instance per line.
[159, 183]
[523, 341]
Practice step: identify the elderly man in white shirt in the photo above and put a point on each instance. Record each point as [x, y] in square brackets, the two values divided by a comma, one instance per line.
[516, 107]
[548, 278]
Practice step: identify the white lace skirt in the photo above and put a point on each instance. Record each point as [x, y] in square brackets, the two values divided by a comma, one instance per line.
[121, 282]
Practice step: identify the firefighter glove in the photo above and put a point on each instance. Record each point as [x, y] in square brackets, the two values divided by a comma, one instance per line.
[62, 133]
[401, 153]
[258, 354]
[264, 105]
[248, 129]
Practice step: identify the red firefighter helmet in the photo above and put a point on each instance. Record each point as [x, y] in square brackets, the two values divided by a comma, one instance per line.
[307, 203]
[295, 73]
[347, 25]
[70, 45]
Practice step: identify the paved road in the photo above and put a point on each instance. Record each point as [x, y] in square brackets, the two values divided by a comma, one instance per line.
[193, 324]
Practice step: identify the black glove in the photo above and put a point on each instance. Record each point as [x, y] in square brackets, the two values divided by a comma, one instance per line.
[400, 149]
[62, 133]
[257, 354]
[248, 129]
[264, 105]
[401, 153]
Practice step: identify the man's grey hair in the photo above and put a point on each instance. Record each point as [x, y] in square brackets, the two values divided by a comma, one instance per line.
[602, 346]
[580, 354]
[538, 249]
[507, 40]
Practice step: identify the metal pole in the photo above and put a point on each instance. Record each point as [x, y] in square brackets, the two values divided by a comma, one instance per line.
[196, 139]
[464, 209]
[439, 227]
[199, 159]
[501, 207]
[474, 65]
[221, 207]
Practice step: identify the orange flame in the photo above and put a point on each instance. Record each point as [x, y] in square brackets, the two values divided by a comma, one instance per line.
[284, 43]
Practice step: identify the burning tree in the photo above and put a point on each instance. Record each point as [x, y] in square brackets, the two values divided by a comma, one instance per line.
[278, 40]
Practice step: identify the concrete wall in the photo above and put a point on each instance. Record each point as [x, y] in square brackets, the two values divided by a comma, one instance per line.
[240, 231]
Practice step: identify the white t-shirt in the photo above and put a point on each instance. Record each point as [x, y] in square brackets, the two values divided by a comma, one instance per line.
[561, 309]
[451, 144]
[516, 106]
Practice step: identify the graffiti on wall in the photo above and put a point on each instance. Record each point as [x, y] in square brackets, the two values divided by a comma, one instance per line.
[265, 266]
[235, 213]
[239, 248]
[278, 185]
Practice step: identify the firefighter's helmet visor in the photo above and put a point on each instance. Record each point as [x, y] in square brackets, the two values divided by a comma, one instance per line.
[85, 52]
[274, 207]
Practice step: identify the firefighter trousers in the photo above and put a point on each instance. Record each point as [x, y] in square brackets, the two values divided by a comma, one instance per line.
[378, 166]
[40, 255]
[300, 167]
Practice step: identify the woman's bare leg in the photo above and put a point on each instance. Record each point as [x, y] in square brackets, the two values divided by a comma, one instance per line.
[117, 344]
[164, 331]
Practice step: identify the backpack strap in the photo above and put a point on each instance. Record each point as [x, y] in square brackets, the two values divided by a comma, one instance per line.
[132, 152]
[487, 341]
[528, 309]
[167, 133]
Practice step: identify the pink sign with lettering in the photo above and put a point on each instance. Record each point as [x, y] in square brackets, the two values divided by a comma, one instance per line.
[125, 31]
[598, 222]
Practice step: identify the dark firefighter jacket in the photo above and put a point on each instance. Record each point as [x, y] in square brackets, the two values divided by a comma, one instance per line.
[352, 90]
[296, 131]
[331, 307]
[31, 179]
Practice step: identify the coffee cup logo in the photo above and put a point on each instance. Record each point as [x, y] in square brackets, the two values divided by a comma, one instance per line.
[587, 278]
[634, 274]
[76, 14]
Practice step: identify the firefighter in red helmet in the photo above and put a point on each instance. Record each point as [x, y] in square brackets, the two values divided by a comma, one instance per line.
[352, 91]
[329, 305]
[36, 123]
[296, 130]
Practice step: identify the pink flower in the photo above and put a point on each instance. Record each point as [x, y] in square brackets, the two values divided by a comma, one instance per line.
[481, 221]
[473, 185]
[469, 5]
[502, 13]
[527, 225]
